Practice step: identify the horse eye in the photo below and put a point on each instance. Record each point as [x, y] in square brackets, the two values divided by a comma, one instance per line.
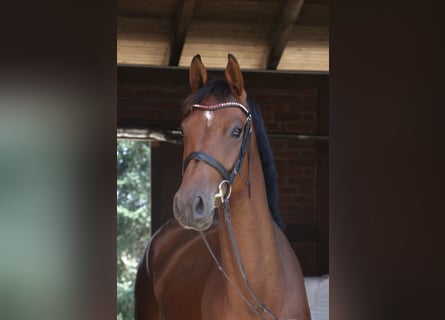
[236, 133]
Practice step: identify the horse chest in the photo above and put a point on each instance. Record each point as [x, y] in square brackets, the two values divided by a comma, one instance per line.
[181, 267]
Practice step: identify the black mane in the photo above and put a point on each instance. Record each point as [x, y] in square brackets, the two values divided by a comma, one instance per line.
[220, 88]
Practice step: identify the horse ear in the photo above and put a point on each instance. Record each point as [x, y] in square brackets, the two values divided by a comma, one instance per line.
[198, 73]
[234, 77]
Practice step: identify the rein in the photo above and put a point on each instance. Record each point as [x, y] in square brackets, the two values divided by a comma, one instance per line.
[224, 196]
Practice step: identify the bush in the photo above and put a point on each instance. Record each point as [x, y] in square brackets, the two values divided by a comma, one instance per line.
[133, 217]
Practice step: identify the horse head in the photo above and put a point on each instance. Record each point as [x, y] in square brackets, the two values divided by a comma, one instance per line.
[216, 131]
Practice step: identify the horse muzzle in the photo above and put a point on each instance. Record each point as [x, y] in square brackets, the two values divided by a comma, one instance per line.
[194, 211]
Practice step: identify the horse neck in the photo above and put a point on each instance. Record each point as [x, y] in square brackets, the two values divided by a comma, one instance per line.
[254, 234]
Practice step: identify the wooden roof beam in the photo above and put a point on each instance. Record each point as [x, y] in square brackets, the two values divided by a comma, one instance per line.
[181, 25]
[282, 31]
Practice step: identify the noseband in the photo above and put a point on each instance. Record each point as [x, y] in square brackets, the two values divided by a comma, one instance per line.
[257, 307]
[202, 156]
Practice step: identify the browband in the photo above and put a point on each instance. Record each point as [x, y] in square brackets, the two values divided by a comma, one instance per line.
[222, 105]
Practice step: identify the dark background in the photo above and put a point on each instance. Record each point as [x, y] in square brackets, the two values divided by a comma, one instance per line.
[386, 140]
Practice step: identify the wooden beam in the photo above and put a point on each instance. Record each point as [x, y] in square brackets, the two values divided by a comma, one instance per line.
[181, 25]
[282, 32]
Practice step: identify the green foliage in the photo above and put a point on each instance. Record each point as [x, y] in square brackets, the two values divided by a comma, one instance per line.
[133, 217]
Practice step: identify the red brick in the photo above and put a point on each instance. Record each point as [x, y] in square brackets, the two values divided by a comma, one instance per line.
[287, 116]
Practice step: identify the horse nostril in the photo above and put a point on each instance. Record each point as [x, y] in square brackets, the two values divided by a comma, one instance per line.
[198, 207]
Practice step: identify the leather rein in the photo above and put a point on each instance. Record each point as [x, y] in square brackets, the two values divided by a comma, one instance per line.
[224, 195]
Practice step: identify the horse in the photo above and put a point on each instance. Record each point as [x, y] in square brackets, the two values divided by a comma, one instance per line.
[224, 254]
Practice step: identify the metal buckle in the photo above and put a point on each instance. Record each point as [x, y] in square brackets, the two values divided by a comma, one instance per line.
[224, 194]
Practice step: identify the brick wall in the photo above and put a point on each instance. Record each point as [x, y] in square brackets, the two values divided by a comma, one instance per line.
[292, 111]
[295, 111]
[292, 104]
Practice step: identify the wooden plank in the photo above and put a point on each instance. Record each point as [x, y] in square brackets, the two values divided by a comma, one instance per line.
[307, 49]
[259, 11]
[164, 9]
[181, 25]
[282, 32]
[142, 41]
[153, 32]
[215, 39]
[254, 79]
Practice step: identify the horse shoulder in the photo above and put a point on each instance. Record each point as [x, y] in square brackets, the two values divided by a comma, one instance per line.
[145, 303]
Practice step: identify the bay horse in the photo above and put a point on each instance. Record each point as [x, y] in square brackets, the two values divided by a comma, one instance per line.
[224, 256]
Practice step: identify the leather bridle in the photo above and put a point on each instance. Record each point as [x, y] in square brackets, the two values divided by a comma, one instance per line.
[202, 156]
[224, 194]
